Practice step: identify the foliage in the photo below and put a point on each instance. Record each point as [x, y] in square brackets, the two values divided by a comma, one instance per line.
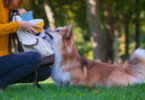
[74, 12]
[66, 13]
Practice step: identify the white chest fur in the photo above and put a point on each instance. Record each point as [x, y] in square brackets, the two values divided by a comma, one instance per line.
[58, 75]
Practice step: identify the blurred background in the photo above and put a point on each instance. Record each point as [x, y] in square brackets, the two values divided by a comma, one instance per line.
[106, 30]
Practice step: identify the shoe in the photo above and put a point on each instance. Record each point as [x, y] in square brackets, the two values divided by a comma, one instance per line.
[1, 90]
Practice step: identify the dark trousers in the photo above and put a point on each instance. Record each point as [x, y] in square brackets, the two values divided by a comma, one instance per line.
[20, 68]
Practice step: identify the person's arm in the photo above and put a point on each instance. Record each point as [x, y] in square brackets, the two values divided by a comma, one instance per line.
[14, 26]
[9, 28]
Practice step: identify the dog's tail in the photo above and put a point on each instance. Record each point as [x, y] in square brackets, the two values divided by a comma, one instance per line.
[137, 62]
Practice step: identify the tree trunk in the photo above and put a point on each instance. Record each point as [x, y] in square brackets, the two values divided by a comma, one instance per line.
[116, 44]
[126, 27]
[109, 25]
[49, 14]
[137, 32]
[127, 18]
[95, 29]
[109, 44]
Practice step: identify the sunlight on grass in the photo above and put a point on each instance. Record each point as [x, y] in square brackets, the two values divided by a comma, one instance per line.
[48, 81]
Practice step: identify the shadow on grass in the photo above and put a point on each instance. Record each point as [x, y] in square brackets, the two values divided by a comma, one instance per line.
[56, 88]
[45, 87]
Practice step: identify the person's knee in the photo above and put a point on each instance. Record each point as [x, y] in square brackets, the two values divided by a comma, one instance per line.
[34, 58]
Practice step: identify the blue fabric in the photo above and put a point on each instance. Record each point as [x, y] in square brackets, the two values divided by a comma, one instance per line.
[20, 67]
[27, 16]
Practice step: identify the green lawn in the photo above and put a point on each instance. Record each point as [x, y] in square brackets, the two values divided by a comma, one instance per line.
[52, 92]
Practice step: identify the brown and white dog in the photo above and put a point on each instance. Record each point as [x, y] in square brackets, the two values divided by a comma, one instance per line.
[70, 68]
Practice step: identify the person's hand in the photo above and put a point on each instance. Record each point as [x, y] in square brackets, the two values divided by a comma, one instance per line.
[29, 27]
[22, 11]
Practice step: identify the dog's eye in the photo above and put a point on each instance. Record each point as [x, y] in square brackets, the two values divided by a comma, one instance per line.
[57, 30]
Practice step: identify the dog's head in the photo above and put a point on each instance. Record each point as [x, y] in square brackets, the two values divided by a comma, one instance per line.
[61, 35]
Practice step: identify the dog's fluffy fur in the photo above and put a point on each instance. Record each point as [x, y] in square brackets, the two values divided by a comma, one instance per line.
[71, 68]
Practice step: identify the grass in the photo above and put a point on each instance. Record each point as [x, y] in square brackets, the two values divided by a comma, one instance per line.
[52, 92]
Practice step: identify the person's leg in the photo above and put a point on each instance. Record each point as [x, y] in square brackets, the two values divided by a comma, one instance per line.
[44, 73]
[16, 66]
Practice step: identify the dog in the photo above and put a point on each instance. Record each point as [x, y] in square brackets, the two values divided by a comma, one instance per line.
[72, 69]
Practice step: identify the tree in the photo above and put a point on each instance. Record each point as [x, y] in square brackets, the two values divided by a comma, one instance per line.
[137, 24]
[127, 10]
[127, 18]
[109, 26]
[49, 14]
[110, 17]
[95, 29]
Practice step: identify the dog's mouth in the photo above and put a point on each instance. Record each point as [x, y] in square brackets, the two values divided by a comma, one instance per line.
[50, 36]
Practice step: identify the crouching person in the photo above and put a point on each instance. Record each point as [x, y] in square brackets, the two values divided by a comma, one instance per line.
[17, 68]
[20, 68]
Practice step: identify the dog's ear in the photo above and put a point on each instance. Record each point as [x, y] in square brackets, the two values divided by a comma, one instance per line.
[69, 31]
